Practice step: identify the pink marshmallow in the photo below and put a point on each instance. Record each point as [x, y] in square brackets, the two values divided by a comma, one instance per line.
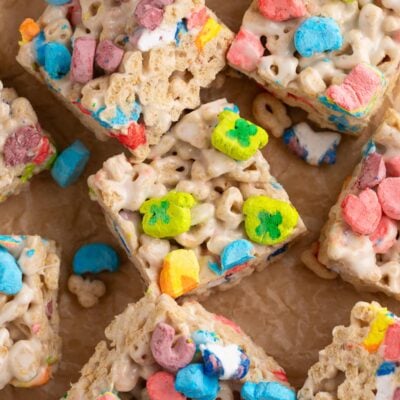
[373, 171]
[150, 13]
[358, 89]
[392, 343]
[75, 13]
[385, 235]
[389, 197]
[393, 166]
[246, 51]
[169, 353]
[83, 60]
[197, 18]
[282, 10]
[362, 213]
[108, 56]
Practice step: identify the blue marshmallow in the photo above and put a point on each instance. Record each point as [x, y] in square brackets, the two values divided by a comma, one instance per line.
[94, 258]
[10, 274]
[315, 148]
[236, 253]
[386, 368]
[40, 48]
[70, 164]
[192, 382]
[204, 337]
[266, 391]
[316, 35]
[58, 2]
[57, 60]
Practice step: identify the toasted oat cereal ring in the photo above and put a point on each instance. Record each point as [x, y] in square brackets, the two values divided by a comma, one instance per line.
[389, 197]
[160, 386]
[271, 114]
[310, 259]
[363, 212]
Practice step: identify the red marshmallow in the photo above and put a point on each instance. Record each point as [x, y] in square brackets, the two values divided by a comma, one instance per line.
[389, 197]
[384, 236]
[393, 166]
[392, 343]
[282, 10]
[362, 213]
[373, 171]
[83, 60]
[108, 56]
[160, 386]
[246, 51]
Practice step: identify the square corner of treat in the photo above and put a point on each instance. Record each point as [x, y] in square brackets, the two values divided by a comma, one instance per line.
[127, 69]
[335, 59]
[194, 217]
[137, 356]
[362, 360]
[29, 321]
[363, 248]
[25, 148]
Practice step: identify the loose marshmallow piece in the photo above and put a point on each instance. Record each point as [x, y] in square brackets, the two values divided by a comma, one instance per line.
[315, 148]
[83, 60]
[363, 212]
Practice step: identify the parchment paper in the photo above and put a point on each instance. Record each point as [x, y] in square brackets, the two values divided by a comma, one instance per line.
[286, 309]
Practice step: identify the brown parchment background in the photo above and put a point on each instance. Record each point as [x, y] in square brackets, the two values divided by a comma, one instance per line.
[286, 309]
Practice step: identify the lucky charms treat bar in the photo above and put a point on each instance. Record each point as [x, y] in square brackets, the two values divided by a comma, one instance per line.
[362, 363]
[203, 210]
[336, 59]
[128, 68]
[30, 347]
[25, 149]
[158, 350]
[360, 239]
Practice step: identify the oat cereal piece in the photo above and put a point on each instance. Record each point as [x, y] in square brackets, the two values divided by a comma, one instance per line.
[362, 362]
[335, 59]
[157, 344]
[25, 149]
[88, 292]
[360, 240]
[192, 217]
[30, 347]
[271, 114]
[126, 69]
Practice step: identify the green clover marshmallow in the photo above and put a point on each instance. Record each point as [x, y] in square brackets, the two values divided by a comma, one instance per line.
[167, 216]
[237, 137]
[269, 221]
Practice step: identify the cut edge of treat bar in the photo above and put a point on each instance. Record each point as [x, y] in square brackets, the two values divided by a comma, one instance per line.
[128, 338]
[45, 279]
[121, 228]
[317, 258]
[347, 367]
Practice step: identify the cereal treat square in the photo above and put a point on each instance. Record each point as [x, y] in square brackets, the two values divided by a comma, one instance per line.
[30, 347]
[158, 350]
[25, 149]
[127, 69]
[336, 59]
[360, 240]
[362, 363]
[203, 210]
